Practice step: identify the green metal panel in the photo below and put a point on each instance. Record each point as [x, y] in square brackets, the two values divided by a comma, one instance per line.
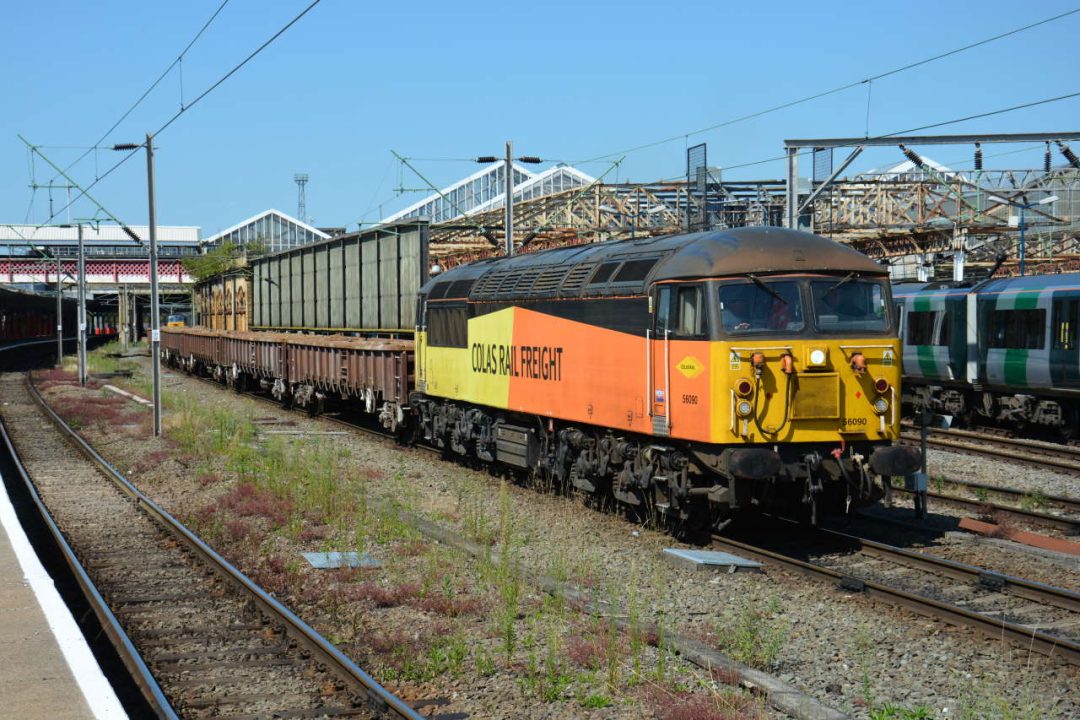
[413, 272]
[256, 307]
[296, 283]
[320, 281]
[369, 282]
[389, 273]
[335, 301]
[283, 310]
[353, 317]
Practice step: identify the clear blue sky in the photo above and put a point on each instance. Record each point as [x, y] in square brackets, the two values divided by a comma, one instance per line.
[564, 80]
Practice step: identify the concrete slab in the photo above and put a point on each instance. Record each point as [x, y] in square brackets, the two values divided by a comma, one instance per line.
[331, 560]
[710, 560]
[46, 668]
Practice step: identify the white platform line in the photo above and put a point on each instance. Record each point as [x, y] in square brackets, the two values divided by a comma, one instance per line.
[95, 688]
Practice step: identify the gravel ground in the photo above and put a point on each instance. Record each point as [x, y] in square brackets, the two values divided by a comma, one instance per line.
[848, 651]
[431, 623]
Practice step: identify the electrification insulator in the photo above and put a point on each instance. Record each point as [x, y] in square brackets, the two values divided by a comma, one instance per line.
[912, 156]
[1069, 154]
[978, 156]
[1046, 158]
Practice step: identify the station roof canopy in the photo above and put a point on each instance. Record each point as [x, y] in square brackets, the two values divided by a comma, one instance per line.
[273, 228]
[485, 190]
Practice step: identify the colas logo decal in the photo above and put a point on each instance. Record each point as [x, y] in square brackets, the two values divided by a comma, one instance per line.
[690, 366]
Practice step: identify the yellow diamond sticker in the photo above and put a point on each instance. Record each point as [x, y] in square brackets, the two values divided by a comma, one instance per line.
[690, 366]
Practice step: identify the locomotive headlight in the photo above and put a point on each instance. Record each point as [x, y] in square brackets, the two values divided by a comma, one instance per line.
[743, 387]
[817, 357]
[881, 406]
[881, 385]
[744, 408]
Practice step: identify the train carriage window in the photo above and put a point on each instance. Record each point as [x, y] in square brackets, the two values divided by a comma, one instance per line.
[945, 334]
[1066, 317]
[920, 327]
[447, 326]
[1017, 329]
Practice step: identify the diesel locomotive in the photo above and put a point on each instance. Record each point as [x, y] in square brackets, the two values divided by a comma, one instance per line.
[691, 377]
[1001, 351]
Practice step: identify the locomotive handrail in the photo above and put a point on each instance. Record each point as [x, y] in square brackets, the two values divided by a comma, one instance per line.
[760, 349]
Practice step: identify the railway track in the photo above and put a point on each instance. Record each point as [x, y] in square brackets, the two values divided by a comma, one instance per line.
[1069, 525]
[1041, 617]
[1025, 606]
[204, 640]
[1049, 456]
[1000, 501]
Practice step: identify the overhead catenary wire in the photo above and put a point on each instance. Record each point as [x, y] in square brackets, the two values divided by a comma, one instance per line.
[164, 73]
[833, 91]
[190, 105]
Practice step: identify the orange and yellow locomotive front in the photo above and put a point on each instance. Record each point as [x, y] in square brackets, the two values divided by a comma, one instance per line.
[706, 379]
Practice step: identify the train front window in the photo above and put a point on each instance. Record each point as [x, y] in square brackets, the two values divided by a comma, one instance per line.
[761, 306]
[849, 305]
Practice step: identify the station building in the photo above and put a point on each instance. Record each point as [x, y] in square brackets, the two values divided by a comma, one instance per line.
[99, 241]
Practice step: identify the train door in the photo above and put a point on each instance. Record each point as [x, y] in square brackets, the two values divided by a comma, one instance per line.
[679, 314]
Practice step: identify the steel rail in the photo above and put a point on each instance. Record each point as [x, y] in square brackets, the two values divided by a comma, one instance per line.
[378, 697]
[1064, 458]
[1064, 503]
[1069, 525]
[148, 686]
[1032, 638]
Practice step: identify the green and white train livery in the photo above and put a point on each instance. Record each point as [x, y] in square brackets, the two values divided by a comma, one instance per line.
[1004, 350]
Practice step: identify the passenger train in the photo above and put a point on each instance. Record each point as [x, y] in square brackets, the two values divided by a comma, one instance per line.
[1002, 351]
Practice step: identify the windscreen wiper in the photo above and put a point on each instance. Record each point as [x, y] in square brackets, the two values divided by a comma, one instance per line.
[846, 278]
[766, 288]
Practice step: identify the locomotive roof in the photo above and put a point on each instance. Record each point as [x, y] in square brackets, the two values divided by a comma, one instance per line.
[627, 266]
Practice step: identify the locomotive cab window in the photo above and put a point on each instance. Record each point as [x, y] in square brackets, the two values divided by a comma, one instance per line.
[850, 304]
[680, 311]
[761, 306]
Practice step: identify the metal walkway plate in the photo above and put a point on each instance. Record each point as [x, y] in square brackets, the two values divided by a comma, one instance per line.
[710, 560]
[331, 560]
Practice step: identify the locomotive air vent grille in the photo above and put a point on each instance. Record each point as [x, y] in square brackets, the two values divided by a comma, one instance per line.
[635, 270]
[604, 272]
[460, 288]
[506, 287]
[485, 287]
[525, 282]
[439, 291]
[575, 279]
[549, 279]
